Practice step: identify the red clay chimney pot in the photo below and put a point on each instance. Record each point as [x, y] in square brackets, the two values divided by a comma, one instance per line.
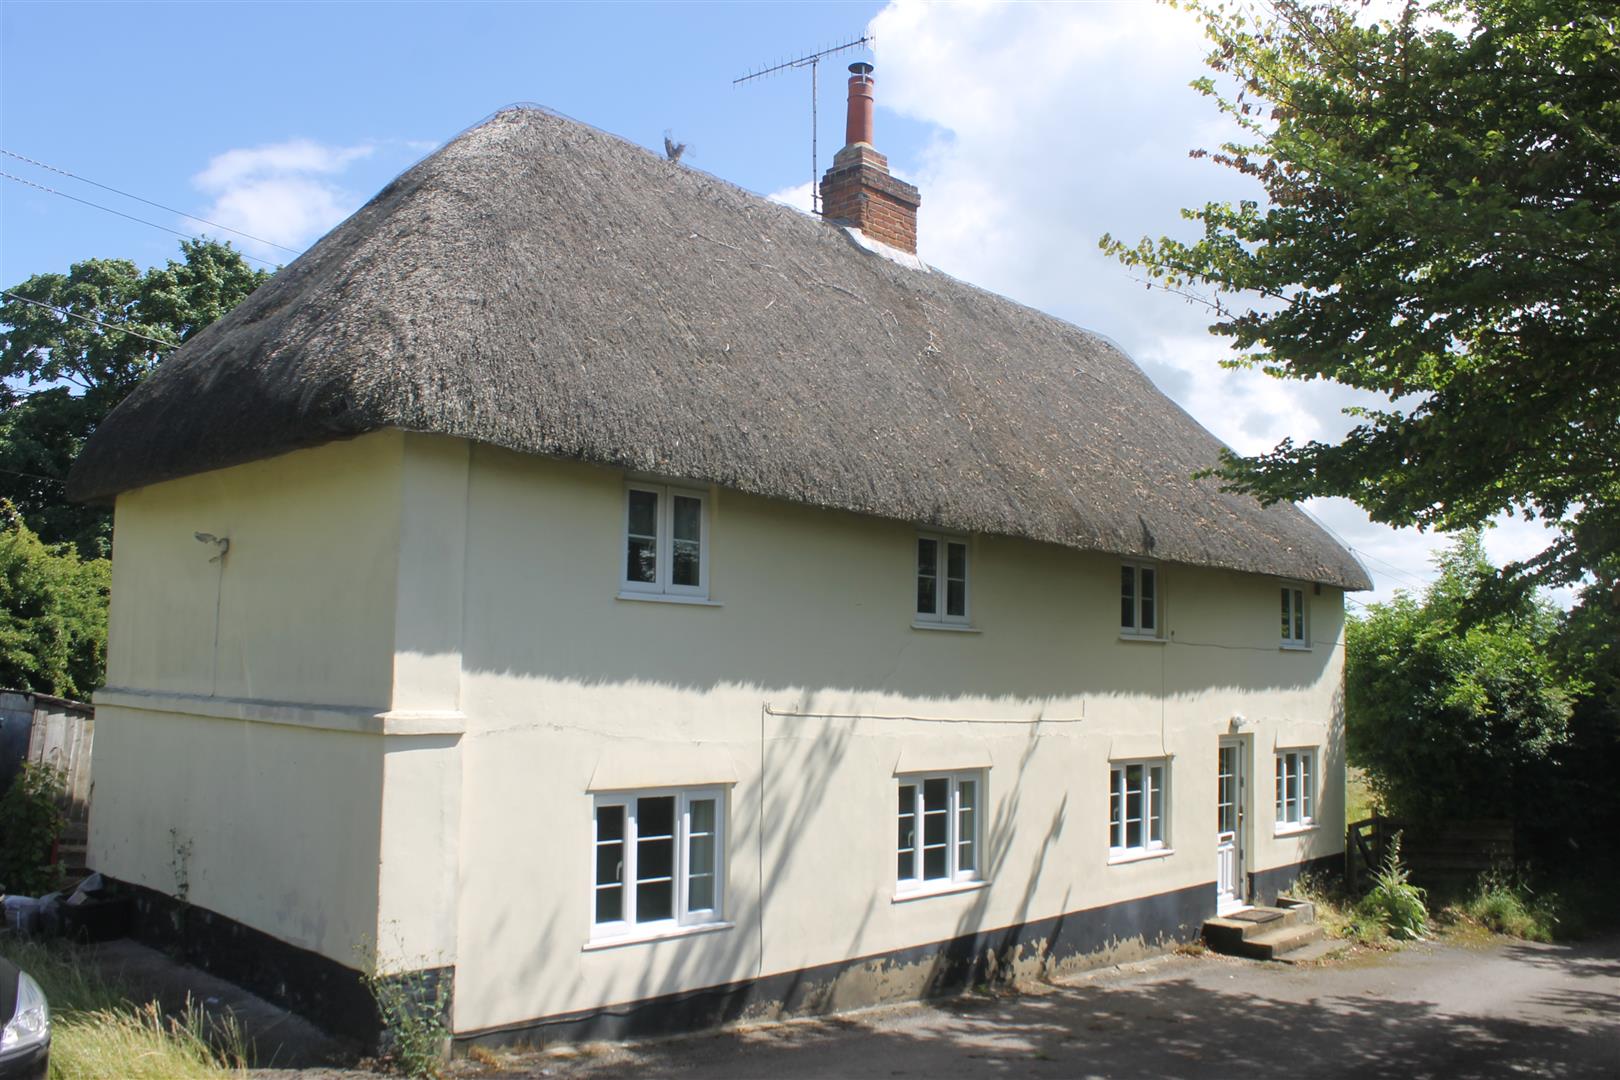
[858, 126]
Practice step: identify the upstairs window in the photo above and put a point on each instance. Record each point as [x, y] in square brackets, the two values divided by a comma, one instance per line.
[1296, 788]
[942, 579]
[1136, 807]
[1293, 618]
[1139, 600]
[659, 858]
[666, 545]
[939, 830]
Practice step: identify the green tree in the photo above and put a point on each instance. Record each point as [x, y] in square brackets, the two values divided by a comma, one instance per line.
[53, 613]
[63, 373]
[1453, 713]
[1437, 222]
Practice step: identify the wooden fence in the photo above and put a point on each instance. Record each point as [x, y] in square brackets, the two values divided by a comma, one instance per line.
[52, 731]
[1448, 856]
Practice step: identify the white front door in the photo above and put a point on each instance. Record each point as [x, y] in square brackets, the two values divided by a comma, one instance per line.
[1230, 799]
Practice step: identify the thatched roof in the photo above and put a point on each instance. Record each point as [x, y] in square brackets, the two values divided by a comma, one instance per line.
[542, 286]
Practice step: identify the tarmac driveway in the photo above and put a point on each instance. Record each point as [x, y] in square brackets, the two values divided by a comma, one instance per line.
[1430, 1010]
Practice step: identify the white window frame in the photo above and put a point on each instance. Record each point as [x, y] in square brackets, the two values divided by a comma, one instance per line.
[683, 916]
[664, 549]
[1155, 806]
[956, 875]
[1296, 787]
[1296, 610]
[942, 578]
[1134, 628]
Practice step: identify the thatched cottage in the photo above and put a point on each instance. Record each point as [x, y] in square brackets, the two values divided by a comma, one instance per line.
[638, 603]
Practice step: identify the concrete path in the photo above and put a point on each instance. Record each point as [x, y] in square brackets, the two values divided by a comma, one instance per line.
[1430, 1010]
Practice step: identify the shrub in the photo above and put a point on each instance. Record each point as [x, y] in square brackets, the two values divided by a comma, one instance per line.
[30, 823]
[1397, 904]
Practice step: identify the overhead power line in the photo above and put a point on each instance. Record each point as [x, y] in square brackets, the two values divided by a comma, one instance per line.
[120, 213]
[1391, 569]
[148, 202]
[93, 322]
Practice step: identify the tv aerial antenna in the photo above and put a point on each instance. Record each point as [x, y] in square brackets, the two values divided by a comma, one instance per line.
[813, 62]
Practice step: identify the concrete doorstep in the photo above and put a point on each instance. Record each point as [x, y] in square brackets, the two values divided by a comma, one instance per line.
[1284, 932]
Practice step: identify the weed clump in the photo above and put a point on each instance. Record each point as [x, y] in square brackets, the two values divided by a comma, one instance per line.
[412, 1008]
[1400, 907]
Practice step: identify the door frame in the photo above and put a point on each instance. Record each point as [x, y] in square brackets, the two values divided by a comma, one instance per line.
[1244, 801]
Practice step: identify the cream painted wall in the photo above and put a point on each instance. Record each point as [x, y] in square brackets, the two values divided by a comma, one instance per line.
[269, 824]
[564, 682]
[285, 722]
[301, 609]
[423, 667]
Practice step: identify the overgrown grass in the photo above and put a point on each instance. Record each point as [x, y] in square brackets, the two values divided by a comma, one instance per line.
[98, 1032]
[1505, 908]
[1509, 901]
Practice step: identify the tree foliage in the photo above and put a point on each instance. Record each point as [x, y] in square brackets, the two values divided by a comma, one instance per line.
[63, 373]
[1453, 713]
[1437, 222]
[53, 613]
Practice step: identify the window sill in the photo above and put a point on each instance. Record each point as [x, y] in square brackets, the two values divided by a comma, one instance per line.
[662, 935]
[1294, 830]
[939, 890]
[1140, 856]
[1147, 639]
[1295, 646]
[955, 628]
[665, 598]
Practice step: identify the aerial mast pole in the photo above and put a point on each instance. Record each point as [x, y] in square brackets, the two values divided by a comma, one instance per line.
[813, 62]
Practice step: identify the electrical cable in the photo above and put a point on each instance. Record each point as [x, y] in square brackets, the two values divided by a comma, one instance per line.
[1390, 568]
[120, 213]
[92, 322]
[148, 202]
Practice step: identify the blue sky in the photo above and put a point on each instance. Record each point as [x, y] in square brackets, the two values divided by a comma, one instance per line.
[1032, 129]
[142, 96]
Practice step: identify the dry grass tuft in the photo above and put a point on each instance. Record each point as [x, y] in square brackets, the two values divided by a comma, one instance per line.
[99, 1033]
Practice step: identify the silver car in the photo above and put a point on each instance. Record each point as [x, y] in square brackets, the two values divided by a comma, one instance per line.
[25, 1040]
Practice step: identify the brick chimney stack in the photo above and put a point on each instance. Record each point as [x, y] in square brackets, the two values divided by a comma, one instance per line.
[858, 189]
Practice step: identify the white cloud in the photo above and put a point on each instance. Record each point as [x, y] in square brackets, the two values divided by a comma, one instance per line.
[296, 156]
[287, 193]
[1057, 123]
[798, 197]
